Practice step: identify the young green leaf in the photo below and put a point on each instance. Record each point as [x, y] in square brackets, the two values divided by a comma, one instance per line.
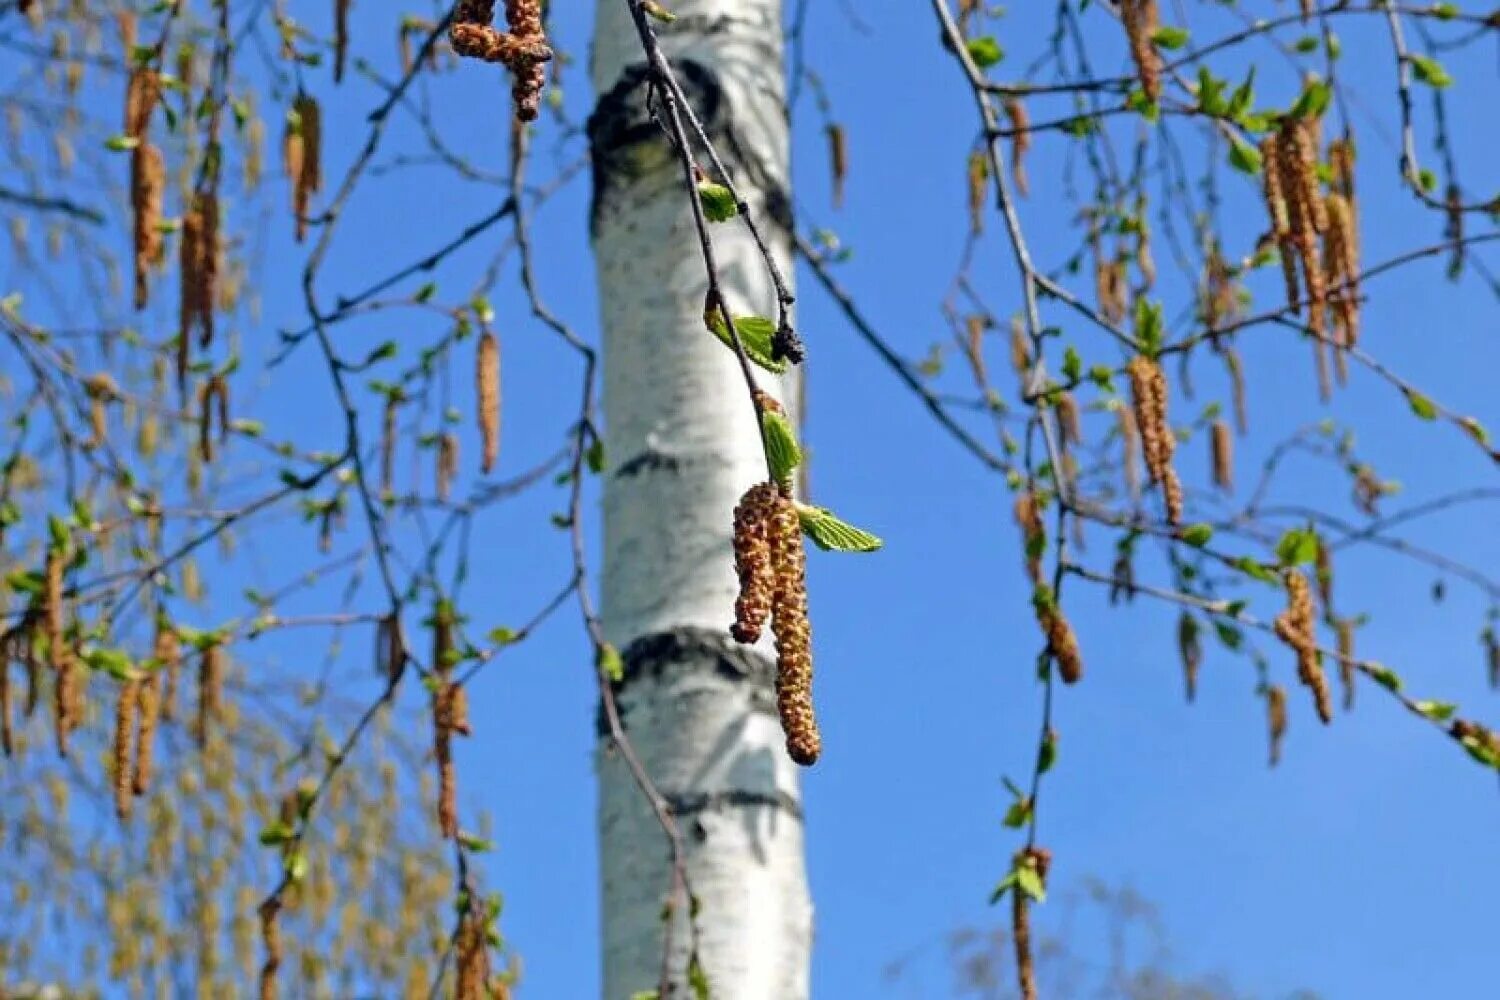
[718, 201]
[985, 51]
[781, 445]
[1197, 535]
[1297, 546]
[1421, 405]
[1170, 38]
[756, 333]
[833, 535]
[1429, 71]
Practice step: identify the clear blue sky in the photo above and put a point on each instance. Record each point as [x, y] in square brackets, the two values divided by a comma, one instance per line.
[1363, 868]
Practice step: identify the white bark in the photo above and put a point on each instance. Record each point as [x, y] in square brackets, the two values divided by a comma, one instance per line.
[699, 709]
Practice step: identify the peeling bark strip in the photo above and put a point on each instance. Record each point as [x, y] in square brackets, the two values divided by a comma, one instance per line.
[700, 709]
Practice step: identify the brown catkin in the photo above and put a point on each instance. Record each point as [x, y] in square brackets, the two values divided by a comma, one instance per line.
[147, 185]
[1020, 122]
[167, 651]
[838, 160]
[1274, 190]
[388, 445]
[790, 626]
[1276, 720]
[125, 715]
[977, 179]
[524, 50]
[752, 561]
[447, 806]
[303, 150]
[198, 264]
[210, 691]
[447, 464]
[1141, 19]
[1237, 389]
[1067, 418]
[1295, 627]
[1345, 630]
[1190, 650]
[1341, 274]
[142, 94]
[1148, 386]
[471, 956]
[487, 380]
[1222, 448]
[1033, 534]
[148, 710]
[1063, 643]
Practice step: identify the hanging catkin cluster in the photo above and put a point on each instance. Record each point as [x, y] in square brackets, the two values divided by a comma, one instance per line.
[487, 379]
[210, 692]
[1142, 19]
[199, 261]
[450, 715]
[752, 560]
[1062, 643]
[1148, 386]
[1295, 627]
[772, 568]
[1341, 275]
[122, 757]
[524, 50]
[302, 157]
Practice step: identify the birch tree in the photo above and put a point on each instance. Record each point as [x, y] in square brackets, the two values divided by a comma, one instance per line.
[263, 471]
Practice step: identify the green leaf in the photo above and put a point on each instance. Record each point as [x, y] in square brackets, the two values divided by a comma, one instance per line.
[1387, 677]
[609, 662]
[985, 51]
[277, 833]
[1019, 813]
[1231, 637]
[665, 16]
[698, 979]
[502, 636]
[1431, 72]
[1297, 547]
[1197, 535]
[1244, 157]
[1029, 880]
[781, 445]
[1243, 97]
[1211, 93]
[1313, 100]
[833, 535]
[1046, 754]
[1142, 105]
[1307, 43]
[595, 458]
[1421, 405]
[1006, 884]
[1255, 570]
[1170, 38]
[426, 292]
[718, 201]
[296, 866]
[477, 845]
[121, 143]
[1437, 711]
[755, 333]
[1072, 366]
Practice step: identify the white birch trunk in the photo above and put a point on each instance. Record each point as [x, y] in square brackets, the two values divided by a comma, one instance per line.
[680, 436]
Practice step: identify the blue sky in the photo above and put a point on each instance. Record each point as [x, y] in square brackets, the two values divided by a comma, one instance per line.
[1363, 867]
